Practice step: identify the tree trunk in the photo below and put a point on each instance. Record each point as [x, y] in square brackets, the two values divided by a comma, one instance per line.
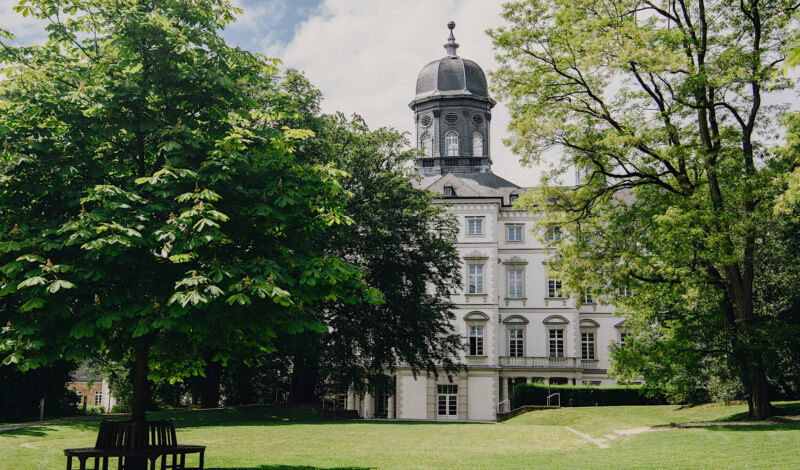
[140, 388]
[760, 406]
[141, 399]
[211, 384]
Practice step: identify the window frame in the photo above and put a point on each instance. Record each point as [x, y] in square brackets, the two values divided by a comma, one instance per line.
[520, 227]
[516, 346]
[478, 276]
[477, 136]
[447, 397]
[520, 281]
[553, 234]
[479, 221]
[477, 340]
[98, 398]
[427, 150]
[556, 289]
[555, 343]
[451, 141]
[587, 344]
[587, 298]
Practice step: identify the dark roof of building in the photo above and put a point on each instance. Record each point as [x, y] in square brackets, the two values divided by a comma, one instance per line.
[451, 75]
[472, 185]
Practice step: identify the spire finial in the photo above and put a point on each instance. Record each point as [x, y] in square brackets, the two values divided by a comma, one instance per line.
[451, 45]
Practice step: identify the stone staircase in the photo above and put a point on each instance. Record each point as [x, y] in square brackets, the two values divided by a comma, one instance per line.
[506, 415]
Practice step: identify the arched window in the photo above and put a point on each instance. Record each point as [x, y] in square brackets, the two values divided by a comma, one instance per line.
[451, 143]
[426, 144]
[477, 144]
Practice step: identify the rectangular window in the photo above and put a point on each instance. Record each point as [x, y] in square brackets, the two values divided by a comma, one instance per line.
[625, 291]
[623, 335]
[553, 234]
[556, 343]
[554, 289]
[448, 191]
[474, 225]
[341, 400]
[475, 279]
[427, 163]
[587, 296]
[476, 341]
[515, 284]
[447, 400]
[515, 343]
[98, 398]
[450, 162]
[587, 346]
[514, 232]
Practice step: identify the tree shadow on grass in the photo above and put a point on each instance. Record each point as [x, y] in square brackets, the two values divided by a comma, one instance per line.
[781, 409]
[754, 427]
[288, 467]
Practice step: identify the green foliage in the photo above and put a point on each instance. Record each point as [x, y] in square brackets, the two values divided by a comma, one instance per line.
[583, 395]
[147, 199]
[660, 105]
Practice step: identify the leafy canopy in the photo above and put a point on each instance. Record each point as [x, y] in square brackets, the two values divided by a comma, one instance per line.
[147, 199]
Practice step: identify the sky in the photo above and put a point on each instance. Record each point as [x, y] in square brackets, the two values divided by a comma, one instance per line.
[364, 55]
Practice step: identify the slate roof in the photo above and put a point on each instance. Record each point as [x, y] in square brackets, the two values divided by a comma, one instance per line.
[451, 75]
[472, 184]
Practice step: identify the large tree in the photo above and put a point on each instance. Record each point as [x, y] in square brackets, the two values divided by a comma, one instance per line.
[660, 105]
[149, 206]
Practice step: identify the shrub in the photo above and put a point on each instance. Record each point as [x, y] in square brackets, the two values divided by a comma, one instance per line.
[95, 410]
[583, 395]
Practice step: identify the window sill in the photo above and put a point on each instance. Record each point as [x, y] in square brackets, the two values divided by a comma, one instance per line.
[482, 356]
[524, 300]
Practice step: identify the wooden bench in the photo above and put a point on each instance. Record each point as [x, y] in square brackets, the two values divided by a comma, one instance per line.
[151, 440]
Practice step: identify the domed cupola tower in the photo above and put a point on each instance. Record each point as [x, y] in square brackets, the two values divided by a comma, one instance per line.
[452, 112]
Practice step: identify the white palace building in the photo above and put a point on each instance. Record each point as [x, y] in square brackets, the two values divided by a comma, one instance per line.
[517, 325]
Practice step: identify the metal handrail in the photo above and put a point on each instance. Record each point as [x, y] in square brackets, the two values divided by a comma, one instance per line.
[501, 403]
[554, 395]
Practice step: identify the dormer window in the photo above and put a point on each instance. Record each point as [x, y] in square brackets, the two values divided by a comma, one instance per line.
[449, 191]
[513, 198]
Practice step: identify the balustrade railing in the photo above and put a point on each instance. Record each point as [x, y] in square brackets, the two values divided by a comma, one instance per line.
[541, 362]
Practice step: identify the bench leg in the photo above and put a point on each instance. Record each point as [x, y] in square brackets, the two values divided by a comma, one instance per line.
[202, 454]
[105, 463]
[69, 462]
[83, 462]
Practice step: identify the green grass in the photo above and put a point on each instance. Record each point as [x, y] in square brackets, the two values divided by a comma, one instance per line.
[266, 438]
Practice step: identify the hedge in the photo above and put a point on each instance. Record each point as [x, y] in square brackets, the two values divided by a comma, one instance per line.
[583, 395]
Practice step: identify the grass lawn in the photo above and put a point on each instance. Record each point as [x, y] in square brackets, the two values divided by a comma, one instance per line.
[267, 438]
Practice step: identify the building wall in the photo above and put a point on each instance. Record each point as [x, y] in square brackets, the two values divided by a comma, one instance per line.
[485, 383]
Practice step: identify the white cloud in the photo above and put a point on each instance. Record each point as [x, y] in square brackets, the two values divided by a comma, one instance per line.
[26, 30]
[365, 57]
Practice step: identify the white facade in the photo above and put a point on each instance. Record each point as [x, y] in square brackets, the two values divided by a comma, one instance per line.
[523, 336]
